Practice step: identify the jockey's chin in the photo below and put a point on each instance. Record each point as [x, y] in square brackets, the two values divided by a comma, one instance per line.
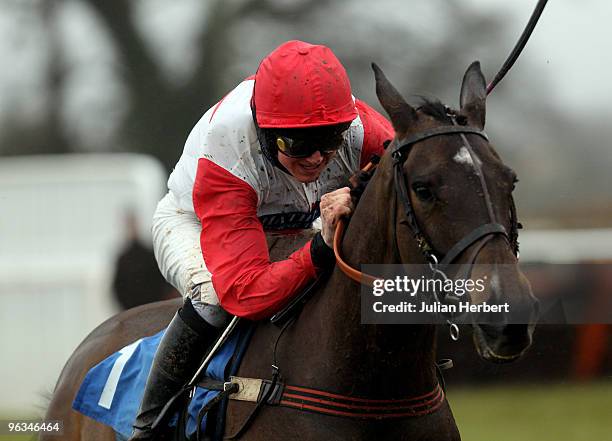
[307, 169]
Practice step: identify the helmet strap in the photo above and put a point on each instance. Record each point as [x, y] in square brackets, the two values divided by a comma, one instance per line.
[268, 145]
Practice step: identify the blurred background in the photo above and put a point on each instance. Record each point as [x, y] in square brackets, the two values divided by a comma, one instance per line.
[97, 99]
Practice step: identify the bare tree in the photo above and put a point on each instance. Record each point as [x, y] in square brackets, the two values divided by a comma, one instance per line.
[161, 113]
[45, 134]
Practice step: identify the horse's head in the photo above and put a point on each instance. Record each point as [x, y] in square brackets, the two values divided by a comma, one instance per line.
[455, 204]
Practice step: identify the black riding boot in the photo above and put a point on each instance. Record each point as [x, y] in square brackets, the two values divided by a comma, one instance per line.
[180, 352]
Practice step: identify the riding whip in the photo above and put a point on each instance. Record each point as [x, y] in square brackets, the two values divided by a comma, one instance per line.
[535, 16]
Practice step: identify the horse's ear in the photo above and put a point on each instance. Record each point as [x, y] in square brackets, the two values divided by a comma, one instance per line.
[401, 113]
[474, 95]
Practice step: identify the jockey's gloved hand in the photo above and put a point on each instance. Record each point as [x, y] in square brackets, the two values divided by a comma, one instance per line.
[322, 255]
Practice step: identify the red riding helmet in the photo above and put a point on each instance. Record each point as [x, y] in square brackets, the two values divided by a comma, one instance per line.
[301, 85]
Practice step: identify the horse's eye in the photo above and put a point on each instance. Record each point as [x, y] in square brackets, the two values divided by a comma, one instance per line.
[422, 192]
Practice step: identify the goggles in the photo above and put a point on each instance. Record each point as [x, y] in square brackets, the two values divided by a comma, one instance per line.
[303, 148]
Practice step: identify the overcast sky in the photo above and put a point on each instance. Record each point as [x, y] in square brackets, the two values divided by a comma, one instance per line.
[572, 43]
[569, 52]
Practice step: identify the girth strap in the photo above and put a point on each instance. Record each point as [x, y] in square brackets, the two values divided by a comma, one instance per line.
[314, 400]
[362, 408]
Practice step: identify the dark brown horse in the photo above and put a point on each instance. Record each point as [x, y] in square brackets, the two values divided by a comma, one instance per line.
[327, 348]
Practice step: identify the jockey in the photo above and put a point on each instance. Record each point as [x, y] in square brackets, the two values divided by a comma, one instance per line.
[271, 157]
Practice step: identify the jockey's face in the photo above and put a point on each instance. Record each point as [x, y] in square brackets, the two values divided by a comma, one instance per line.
[306, 169]
[305, 153]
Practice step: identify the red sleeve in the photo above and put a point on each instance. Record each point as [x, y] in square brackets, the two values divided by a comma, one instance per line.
[376, 130]
[235, 248]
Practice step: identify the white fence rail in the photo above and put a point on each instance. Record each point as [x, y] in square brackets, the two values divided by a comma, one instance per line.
[62, 223]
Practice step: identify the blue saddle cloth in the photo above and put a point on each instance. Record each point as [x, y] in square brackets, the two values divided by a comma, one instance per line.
[112, 390]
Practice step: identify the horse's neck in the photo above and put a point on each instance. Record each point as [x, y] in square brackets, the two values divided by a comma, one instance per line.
[371, 359]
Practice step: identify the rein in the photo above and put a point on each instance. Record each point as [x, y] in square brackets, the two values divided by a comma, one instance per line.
[351, 272]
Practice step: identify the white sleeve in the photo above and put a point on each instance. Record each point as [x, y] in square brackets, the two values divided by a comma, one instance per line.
[176, 243]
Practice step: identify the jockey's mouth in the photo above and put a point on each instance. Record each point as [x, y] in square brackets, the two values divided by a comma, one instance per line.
[312, 170]
[306, 169]
[312, 167]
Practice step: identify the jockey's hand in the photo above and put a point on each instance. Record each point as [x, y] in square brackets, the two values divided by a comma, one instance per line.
[334, 205]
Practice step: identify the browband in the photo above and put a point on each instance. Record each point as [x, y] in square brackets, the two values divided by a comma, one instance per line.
[405, 143]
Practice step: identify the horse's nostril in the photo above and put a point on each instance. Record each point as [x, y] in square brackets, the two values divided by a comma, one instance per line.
[515, 331]
[512, 333]
[502, 343]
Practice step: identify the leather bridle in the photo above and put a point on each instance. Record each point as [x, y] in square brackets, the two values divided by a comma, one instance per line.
[479, 236]
[400, 153]
[483, 232]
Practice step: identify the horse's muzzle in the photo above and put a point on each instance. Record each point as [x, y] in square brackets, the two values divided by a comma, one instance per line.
[502, 343]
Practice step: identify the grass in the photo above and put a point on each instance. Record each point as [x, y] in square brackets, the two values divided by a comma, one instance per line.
[556, 412]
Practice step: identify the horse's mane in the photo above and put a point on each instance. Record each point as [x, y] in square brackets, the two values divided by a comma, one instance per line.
[430, 106]
[433, 107]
